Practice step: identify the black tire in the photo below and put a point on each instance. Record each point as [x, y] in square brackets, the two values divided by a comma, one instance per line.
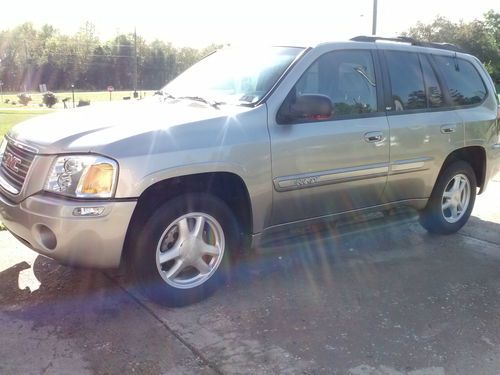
[436, 219]
[142, 259]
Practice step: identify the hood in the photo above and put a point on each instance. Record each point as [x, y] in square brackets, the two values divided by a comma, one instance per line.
[99, 126]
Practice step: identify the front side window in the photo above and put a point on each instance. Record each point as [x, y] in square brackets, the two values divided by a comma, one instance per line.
[407, 82]
[464, 83]
[346, 77]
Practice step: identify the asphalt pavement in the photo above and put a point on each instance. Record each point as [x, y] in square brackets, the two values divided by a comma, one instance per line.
[373, 296]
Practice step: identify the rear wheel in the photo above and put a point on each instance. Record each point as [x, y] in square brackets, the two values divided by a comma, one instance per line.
[451, 201]
[181, 253]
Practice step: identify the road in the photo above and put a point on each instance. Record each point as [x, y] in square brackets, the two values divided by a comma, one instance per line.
[374, 296]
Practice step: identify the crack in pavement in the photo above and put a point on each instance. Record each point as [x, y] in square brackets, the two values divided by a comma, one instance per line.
[199, 356]
[479, 239]
[222, 347]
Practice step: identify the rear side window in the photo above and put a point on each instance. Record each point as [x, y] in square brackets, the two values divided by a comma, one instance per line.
[407, 81]
[464, 83]
[432, 88]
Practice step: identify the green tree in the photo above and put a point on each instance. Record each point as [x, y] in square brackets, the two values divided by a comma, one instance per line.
[480, 38]
[31, 56]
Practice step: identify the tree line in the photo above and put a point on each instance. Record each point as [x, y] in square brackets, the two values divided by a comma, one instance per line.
[31, 56]
[480, 38]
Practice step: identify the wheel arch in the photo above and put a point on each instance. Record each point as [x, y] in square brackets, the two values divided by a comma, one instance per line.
[475, 156]
[227, 186]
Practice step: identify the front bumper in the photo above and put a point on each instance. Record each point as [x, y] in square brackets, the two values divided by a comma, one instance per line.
[47, 225]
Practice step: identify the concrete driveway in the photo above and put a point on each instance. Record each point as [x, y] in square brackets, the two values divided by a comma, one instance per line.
[376, 296]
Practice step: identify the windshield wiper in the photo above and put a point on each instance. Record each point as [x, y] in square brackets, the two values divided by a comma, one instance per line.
[213, 104]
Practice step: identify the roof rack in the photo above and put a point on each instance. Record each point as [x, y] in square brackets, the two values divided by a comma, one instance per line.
[412, 41]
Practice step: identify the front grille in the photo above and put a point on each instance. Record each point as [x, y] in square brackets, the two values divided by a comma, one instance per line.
[15, 165]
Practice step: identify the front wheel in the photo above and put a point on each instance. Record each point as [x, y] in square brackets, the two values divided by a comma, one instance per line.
[451, 201]
[181, 253]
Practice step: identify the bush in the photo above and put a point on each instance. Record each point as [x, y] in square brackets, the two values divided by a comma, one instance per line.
[83, 103]
[24, 98]
[49, 99]
[7, 101]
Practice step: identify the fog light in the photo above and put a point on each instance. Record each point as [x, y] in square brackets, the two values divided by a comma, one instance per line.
[47, 237]
[88, 211]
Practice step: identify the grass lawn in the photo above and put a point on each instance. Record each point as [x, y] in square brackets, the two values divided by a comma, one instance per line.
[12, 114]
[93, 96]
[10, 118]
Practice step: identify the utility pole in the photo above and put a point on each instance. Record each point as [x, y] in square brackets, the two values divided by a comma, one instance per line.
[27, 77]
[374, 24]
[135, 63]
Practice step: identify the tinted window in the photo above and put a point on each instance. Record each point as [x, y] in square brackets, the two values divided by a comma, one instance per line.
[347, 77]
[464, 83]
[407, 82]
[432, 88]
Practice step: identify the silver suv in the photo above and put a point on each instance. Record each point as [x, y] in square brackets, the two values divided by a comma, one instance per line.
[246, 142]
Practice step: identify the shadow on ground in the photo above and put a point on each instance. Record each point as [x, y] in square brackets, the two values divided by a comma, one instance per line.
[365, 291]
[93, 316]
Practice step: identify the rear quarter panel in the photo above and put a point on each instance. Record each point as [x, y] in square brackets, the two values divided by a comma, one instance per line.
[481, 128]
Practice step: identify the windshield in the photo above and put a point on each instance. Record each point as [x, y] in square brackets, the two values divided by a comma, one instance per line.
[234, 76]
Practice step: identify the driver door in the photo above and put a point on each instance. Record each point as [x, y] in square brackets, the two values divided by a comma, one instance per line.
[323, 167]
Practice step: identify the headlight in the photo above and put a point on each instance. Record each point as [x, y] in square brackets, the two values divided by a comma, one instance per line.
[85, 176]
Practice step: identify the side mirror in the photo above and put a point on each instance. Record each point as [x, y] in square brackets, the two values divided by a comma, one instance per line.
[306, 108]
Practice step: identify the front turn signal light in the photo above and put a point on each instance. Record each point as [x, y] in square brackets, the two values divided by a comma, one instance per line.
[97, 180]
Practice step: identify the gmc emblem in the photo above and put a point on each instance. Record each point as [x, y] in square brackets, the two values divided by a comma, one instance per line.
[11, 161]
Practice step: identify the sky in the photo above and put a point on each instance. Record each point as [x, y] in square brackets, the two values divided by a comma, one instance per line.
[200, 23]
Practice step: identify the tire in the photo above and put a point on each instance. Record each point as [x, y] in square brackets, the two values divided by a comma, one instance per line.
[451, 201]
[181, 254]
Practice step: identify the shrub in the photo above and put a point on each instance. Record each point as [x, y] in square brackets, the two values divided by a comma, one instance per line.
[49, 99]
[24, 98]
[7, 101]
[83, 103]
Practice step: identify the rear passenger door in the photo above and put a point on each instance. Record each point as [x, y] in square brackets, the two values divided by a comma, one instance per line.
[424, 128]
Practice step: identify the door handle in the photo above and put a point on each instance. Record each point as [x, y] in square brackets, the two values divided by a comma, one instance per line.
[372, 137]
[448, 128]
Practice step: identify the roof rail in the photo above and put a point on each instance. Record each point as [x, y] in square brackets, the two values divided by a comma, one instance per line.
[412, 41]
